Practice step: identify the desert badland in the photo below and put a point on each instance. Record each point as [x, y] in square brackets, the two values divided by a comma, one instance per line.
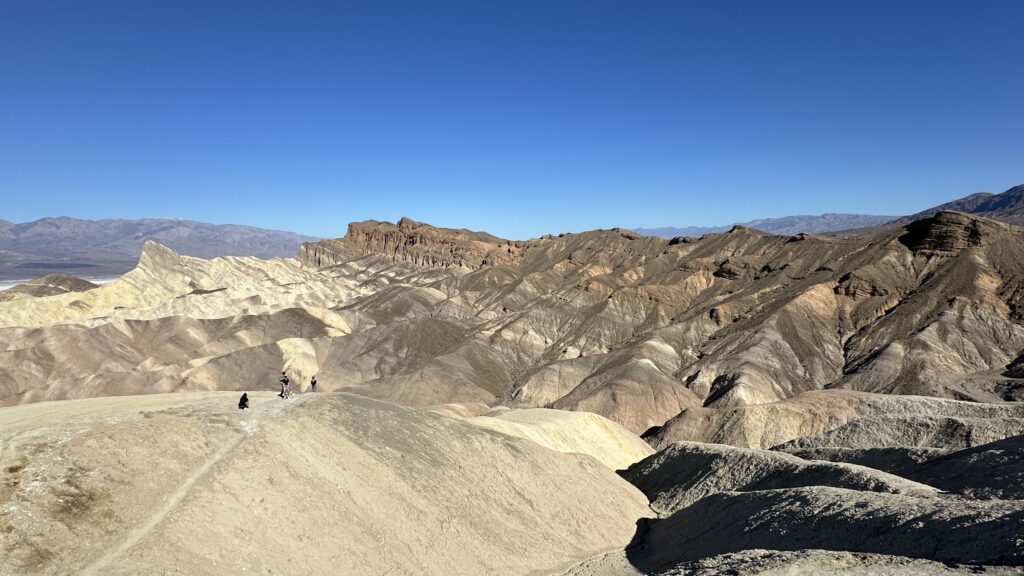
[511, 288]
[591, 403]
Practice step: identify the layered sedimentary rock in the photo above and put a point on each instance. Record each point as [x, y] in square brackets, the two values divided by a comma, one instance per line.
[636, 329]
[846, 418]
[412, 242]
[49, 285]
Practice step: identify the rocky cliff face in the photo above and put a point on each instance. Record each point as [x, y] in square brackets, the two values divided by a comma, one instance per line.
[324, 253]
[412, 242]
[949, 232]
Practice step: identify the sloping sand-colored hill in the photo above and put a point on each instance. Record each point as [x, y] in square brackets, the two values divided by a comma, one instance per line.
[318, 484]
[579, 432]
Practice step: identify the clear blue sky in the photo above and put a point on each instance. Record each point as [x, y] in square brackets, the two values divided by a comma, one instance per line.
[519, 117]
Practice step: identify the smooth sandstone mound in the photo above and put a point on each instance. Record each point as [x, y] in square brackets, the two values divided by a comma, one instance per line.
[327, 483]
[574, 432]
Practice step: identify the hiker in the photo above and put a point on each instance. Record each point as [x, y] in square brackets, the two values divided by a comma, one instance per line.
[312, 384]
[285, 390]
[284, 385]
[243, 402]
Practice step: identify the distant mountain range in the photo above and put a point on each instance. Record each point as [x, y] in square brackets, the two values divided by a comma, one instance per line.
[786, 225]
[1007, 207]
[97, 248]
[106, 248]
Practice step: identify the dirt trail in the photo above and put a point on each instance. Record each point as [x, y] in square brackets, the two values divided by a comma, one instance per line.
[248, 426]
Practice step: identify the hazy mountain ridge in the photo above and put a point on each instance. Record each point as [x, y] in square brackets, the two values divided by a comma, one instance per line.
[111, 247]
[786, 225]
[1007, 206]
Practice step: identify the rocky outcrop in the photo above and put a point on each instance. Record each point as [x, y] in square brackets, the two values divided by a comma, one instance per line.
[49, 285]
[948, 232]
[412, 242]
[325, 253]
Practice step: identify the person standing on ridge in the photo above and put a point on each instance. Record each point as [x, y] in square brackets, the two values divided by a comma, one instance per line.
[284, 385]
[312, 384]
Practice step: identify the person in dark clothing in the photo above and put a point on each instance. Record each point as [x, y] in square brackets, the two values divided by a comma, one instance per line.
[285, 390]
[243, 402]
[312, 384]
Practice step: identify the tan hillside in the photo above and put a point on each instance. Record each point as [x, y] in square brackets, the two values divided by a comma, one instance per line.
[324, 483]
[574, 432]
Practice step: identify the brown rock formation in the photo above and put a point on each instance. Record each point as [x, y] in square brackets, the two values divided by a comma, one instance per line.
[412, 242]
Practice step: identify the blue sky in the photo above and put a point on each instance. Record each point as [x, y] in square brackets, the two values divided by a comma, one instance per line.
[519, 118]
